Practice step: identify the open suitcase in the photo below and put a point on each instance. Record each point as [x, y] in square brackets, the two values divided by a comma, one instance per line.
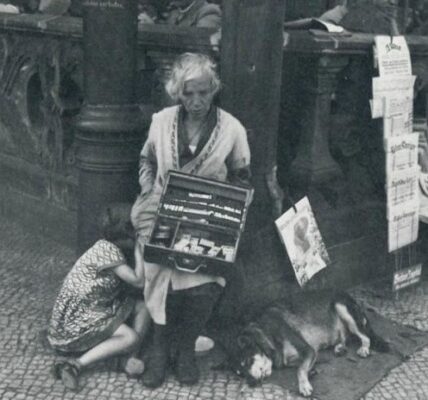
[198, 225]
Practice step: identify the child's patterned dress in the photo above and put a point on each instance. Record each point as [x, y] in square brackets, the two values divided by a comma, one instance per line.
[92, 302]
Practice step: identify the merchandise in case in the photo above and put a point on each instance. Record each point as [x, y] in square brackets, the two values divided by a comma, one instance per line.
[198, 225]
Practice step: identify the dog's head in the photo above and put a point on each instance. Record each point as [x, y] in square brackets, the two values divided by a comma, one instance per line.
[254, 355]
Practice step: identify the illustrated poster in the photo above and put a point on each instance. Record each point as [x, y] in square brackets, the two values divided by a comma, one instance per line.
[299, 232]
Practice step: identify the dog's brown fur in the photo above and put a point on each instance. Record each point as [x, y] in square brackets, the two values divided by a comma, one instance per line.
[292, 334]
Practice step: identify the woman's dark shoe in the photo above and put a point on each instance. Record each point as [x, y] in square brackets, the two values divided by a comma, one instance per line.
[155, 372]
[68, 371]
[157, 360]
[186, 369]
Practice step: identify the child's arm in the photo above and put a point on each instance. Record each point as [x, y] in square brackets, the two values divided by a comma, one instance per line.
[129, 275]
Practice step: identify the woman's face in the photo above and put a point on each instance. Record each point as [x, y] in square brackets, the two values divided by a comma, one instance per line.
[197, 97]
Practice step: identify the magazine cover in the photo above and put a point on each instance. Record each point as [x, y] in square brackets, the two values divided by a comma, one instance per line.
[299, 232]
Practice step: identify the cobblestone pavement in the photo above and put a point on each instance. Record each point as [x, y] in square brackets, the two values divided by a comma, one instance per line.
[410, 307]
[32, 268]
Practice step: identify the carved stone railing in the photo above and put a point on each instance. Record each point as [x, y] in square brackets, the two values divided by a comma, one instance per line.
[317, 63]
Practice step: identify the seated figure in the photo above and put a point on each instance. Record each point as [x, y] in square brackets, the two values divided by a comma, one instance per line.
[149, 11]
[197, 13]
[369, 16]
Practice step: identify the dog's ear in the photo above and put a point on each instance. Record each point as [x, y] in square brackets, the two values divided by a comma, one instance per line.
[243, 341]
[265, 343]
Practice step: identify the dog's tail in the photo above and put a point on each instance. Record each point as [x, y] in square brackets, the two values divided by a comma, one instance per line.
[376, 342]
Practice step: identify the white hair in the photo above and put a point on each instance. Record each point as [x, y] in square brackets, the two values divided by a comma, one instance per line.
[189, 66]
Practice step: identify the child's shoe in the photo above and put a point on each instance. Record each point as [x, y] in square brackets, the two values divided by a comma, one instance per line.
[68, 371]
[133, 367]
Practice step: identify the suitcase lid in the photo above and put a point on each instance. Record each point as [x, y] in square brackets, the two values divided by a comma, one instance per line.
[197, 184]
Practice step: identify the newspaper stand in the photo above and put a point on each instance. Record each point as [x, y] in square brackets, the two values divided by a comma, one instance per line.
[198, 225]
[393, 94]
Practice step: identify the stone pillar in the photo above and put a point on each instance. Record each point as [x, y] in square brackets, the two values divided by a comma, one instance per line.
[313, 163]
[108, 126]
[251, 73]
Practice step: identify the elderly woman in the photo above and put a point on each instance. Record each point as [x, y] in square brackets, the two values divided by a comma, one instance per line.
[194, 137]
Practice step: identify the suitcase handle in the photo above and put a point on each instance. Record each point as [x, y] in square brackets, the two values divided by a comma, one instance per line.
[191, 263]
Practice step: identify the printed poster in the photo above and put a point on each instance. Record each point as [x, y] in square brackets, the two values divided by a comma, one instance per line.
[391, 105]
[299, 232]
[402, 187]
[398, 125]
[393, 100]
[401, 153]
[393, 56]
[403, 225]
[406, 277]
[393, 85]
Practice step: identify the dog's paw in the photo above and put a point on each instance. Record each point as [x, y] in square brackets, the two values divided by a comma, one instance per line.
[363, 352]
[305, 388]
[340, 349]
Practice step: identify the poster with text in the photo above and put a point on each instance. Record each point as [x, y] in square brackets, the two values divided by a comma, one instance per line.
[401, 153]
[393, 56]
[403, 225]
[402, 187]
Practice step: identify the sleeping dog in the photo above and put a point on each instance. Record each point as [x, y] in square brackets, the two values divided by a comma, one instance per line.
[292, 334]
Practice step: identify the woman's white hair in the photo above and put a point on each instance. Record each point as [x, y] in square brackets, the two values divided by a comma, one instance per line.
[189, 66]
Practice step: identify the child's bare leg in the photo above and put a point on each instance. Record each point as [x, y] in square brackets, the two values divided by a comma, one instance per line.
[122, 340]
[142, 319]
[133, 365]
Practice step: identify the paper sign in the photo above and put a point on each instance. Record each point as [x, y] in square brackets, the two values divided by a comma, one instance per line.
[393, 93]
[403, 225]
[401, 153]
[402, 187]
[407, 277]
[393, 99]
[396, 105]
[403, 85]
[398, 125]
[393, 104]
[302, 239]
[393, 56]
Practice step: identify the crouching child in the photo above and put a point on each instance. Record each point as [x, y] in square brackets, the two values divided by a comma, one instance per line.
[91, 314]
